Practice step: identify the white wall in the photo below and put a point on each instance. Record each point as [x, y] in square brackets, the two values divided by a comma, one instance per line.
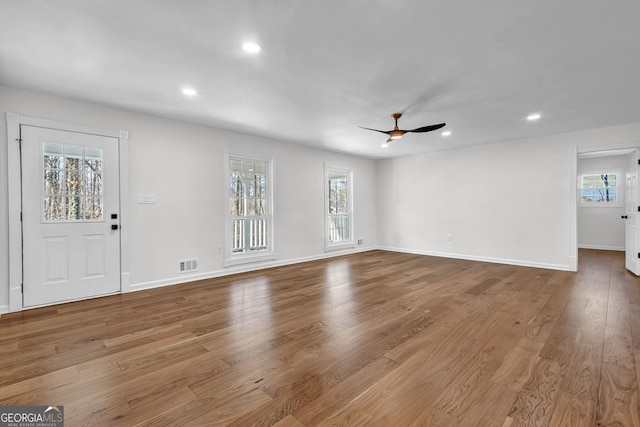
[504, 202]
[182, 164]
[601, 227]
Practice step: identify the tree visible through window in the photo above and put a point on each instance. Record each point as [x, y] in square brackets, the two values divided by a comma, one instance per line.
[599, 188]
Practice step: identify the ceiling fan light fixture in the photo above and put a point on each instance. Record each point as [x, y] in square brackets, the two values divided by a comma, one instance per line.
[395, 134]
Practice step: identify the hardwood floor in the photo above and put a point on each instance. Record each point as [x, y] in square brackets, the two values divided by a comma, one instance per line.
[377, 338]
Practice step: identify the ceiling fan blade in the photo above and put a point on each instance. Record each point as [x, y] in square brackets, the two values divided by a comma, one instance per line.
[428, 128]
[381, 131]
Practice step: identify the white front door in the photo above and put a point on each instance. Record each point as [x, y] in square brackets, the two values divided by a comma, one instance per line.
[70, 215]
[632, 220]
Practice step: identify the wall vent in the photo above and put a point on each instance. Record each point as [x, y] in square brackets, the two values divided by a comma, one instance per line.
[187, 265]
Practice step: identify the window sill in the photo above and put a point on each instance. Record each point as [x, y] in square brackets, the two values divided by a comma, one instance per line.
[600, 205]
[249, 258]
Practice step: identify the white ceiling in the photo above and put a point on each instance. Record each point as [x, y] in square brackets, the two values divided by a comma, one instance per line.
[331, 65]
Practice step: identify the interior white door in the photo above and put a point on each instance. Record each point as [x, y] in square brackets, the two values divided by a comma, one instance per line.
[632, 220]
[70, 215]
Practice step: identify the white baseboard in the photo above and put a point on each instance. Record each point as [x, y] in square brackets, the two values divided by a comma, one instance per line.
[4, 309]
[242, 269]
[508, 261]
[601, 247]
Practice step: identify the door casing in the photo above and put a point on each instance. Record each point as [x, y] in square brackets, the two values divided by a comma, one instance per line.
[573, 186]
[631, 234]
[14, 121]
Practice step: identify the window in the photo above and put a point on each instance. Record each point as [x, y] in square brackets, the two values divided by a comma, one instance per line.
[250, 211]
[599, 190]
[338, 208]
[72, 183]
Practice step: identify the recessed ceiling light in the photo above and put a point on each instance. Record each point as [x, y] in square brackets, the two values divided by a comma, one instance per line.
[533, 117]
[446, 133]
[385, 145]
[252, 47]
[189, 91]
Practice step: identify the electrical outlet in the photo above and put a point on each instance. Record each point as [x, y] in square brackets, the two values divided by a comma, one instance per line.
[219, 249]
[450, 237]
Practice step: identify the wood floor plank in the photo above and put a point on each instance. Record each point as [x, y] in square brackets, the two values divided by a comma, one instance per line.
[239, 379]
[517, 366]
[289, 421]
[591, 330]
[399, 381]
[541, 323]
[348, 417]
[536, 401]
[573, 411]
[177, 416]
[618, 313]
[634, 315]
[10, 394]
[430, 416]
[231, 410]
[489, 405]
[455, 399]
[618, 348]
[618, 398]
[374, 338]
[330, 402]
[583, 372]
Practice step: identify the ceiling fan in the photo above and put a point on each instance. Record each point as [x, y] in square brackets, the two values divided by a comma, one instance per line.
[397, 133]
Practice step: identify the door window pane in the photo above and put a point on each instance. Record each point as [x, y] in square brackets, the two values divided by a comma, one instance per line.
[53, 208]
[53, 181]
[52, 156]
[93, 208]
[73, 208]
[72, 183]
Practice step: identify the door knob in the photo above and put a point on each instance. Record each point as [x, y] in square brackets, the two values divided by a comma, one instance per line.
[624, 217]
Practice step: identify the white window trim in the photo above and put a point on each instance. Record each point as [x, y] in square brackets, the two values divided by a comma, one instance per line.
[350, 244]
[231, 259]
[620, 190]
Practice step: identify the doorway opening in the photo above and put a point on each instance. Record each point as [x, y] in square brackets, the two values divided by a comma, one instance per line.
[604, 184]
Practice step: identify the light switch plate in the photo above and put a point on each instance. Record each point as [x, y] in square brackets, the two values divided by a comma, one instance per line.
[147, 199]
